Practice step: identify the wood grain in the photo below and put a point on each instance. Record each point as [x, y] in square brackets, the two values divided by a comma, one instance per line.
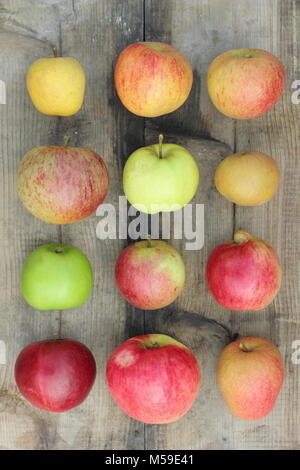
[202, 30]
[95, 32]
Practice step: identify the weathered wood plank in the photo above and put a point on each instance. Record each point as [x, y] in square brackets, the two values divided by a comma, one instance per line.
[95, 33]
[202, 30]
[22, 128]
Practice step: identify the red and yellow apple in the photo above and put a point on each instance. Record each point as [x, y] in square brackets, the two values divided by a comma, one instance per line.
[245, 83]
[247, 178]
[55, 375]
[150, 274]
[250, 376]
[243, 274]
[152, 78]
[61, 184]
[153, 378]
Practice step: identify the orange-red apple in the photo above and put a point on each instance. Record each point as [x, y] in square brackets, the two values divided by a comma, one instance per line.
[61, 184]
[150, 274]
[245, 83]
[243, 274]
[250, 376]
[152, 78]
[153, 378]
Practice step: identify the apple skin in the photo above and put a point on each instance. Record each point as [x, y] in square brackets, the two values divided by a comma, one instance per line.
[55, 375]
[153, 378]
[250, 375]
[153, 184]
[56, 277]
[150, 274]
[152, 78]
[60, 184]
[247, 178]
[245, 83]
[56, 85]
[243, 274]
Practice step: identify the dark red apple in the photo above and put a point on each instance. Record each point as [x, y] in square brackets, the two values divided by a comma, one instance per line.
[61, 184]
[243, 274]
[153, 378]
[55, 375]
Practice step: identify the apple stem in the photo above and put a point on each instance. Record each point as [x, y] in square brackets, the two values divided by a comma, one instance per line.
[244, 348]
[160, 141]
[149, 241]
[241, 236]
[55, 51]
[66, 140]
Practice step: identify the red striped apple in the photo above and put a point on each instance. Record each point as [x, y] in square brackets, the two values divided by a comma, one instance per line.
[150, 274]
[243, 274]
[55, 375]
[245, 83]
[153, 378]
[61, 184]
[152, 78]
[250, 376]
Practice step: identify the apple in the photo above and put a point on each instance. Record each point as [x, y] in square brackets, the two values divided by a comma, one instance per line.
[61, 184]
[250, 376]
[243, 274]
[160, 178]
[153, 378]
[247, 178]
[55, 375]
[152, 78]
[56, 85]
[56, 277]
[245, 83]
[150, 274]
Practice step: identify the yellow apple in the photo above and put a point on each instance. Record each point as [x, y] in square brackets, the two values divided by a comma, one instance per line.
[247, 178]
[56, 85]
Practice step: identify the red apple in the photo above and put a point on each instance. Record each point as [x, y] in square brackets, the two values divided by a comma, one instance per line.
[245, 83]
[250, 376]
[62, 184]
[243, 274]
[153, 378]
[55, 375]
[150, 274]
[152, 78]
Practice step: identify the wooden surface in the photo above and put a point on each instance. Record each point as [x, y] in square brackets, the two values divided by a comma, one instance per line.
[94, 32]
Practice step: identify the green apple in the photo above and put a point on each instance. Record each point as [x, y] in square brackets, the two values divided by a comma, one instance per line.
[56, 277]
[160, 177]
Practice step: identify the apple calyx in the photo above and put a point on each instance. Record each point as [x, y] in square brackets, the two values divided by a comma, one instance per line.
[241, 236]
